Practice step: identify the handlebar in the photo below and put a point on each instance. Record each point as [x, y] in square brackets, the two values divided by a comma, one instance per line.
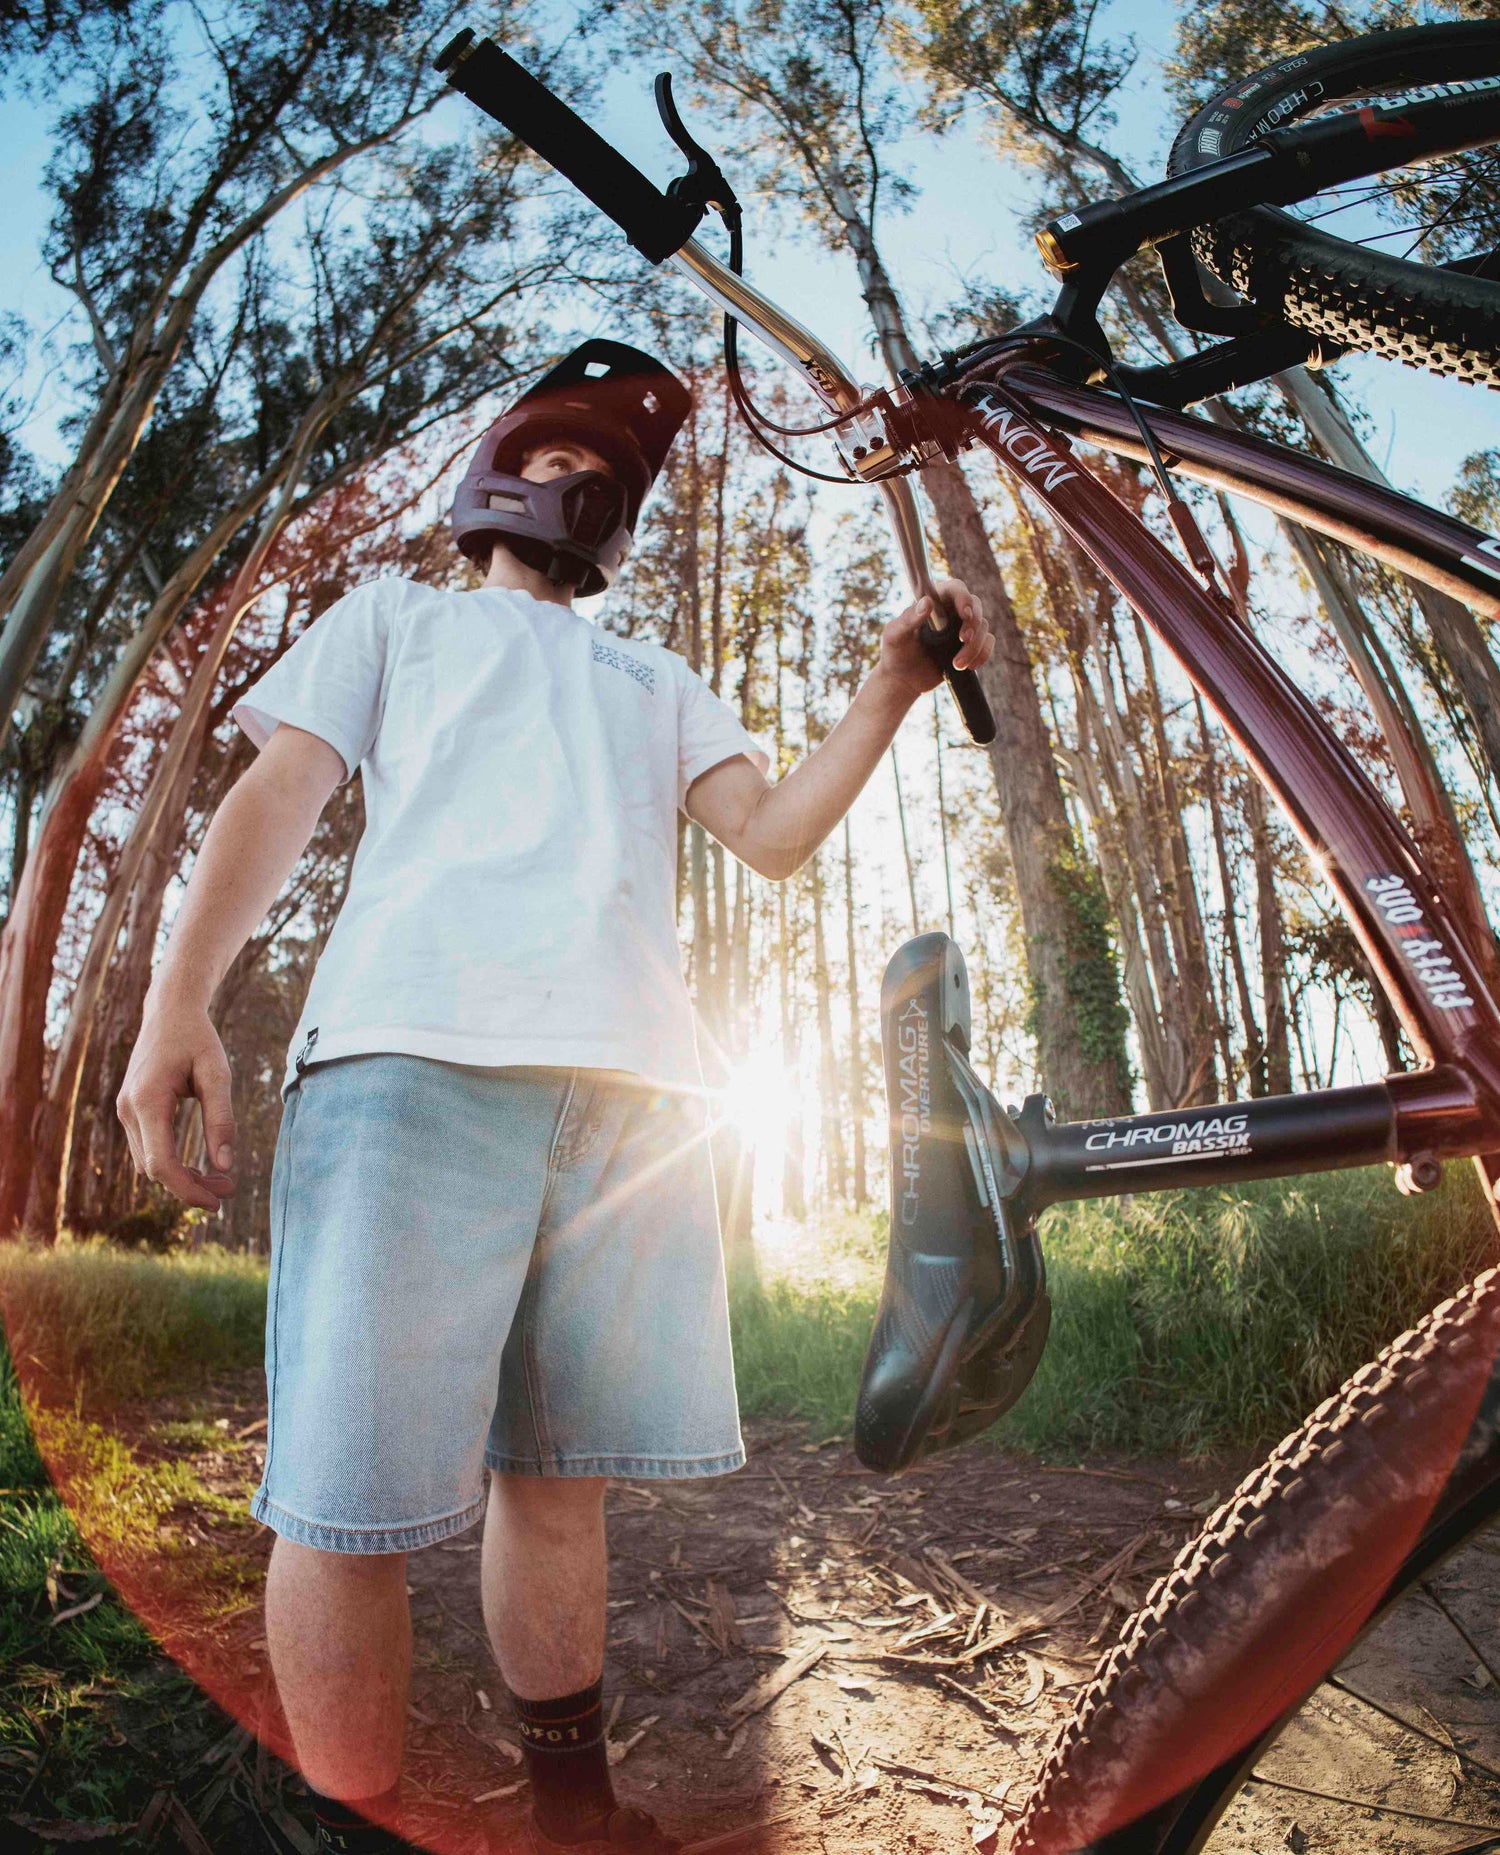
[505, 90]
[661, 226]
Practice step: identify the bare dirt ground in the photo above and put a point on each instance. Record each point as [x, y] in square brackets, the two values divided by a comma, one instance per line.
[808, 1657]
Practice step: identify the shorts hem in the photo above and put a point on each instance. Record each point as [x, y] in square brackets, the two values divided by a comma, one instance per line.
[627, 1468]
[364, 1539]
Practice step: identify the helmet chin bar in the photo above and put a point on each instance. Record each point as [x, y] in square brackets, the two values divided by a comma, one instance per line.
[573, 529]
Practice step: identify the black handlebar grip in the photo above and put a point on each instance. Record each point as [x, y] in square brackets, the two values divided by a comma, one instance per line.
[655, 225]
[968, 691]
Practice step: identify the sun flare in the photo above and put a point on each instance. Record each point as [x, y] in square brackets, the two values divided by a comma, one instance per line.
[755, 1100]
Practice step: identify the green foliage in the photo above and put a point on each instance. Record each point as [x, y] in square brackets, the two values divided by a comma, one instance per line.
[1185, 1323]
[106, 1326]
[161, 1225]
[69, 1688]
[798, 1350]
[1193, 1321]
[1476, 496]
[1093, 975]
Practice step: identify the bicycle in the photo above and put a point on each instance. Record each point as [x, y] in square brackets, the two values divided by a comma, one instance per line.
[1403, 1463]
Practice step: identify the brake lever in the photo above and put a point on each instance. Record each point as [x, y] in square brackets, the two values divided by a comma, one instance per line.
[704, 184]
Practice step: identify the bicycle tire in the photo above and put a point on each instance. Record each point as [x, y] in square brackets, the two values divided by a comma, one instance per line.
[1422, 315]
[1283, 1577]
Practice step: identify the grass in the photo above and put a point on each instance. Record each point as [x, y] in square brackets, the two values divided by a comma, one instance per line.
[1183, 1323]
[93, 1718]
[112, 1325]
[90, 1713]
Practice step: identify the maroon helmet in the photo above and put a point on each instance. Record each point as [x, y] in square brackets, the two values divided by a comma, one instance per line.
[576, 529]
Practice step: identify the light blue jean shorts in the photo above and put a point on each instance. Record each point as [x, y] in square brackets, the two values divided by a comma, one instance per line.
[517, 1269]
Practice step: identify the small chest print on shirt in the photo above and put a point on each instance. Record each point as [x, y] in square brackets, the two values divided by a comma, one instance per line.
[632, 666]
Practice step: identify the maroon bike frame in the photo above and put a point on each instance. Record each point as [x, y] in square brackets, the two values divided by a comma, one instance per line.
[1449, 1107]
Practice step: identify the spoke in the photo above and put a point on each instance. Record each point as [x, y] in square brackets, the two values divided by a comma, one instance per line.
[1458, 198]
[1379, 1809]
[1484, 1661]
[1344, 206]
[1443, 1745]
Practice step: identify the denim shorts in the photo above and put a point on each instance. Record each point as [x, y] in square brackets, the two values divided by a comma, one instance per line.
[517, 1269]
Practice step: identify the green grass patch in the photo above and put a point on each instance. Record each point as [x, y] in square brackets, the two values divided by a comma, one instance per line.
[113, 1327]
[89, 1710]
[1187, 1322]
[1183, 1323]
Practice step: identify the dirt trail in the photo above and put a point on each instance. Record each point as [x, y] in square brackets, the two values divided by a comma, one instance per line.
[925, 1634]
[807, 1657]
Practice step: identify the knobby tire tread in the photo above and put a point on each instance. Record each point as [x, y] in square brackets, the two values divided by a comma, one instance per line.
[1420, 315]
[1208, 1653]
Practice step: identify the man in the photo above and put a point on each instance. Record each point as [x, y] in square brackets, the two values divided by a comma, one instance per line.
[495, 1248]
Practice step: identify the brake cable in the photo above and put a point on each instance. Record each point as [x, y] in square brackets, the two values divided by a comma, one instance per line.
[759, 425]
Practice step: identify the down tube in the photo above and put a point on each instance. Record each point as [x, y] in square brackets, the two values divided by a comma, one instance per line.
[1394, 906]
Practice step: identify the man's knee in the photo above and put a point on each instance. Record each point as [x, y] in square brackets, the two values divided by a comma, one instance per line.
[561, 1503]
[294, 1563]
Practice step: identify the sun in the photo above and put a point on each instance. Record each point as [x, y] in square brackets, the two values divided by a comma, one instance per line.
[754, 1101]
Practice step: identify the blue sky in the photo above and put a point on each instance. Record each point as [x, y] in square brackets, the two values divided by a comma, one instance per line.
[962, 225]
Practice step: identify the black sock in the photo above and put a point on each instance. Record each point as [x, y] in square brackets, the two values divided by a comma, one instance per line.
[352, 1827]
[567, 1763]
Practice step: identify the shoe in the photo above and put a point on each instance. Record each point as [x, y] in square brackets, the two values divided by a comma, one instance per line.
[625, 1828]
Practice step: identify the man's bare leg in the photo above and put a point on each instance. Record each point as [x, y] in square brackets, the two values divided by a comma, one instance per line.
[543, 1581]
[338, 1630]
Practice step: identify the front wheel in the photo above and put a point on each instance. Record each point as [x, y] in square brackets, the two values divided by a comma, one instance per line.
[1405, 264]
[1382, 1479]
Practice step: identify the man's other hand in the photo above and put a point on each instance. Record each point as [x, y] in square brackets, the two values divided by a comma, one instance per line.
[901, 652]
[178, 1054]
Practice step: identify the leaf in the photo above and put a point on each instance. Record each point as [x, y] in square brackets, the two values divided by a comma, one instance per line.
[505, 1790]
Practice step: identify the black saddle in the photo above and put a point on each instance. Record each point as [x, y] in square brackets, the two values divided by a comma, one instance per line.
[963, 1315]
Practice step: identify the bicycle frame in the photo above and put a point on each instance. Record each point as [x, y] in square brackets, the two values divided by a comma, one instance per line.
[1451, 1106]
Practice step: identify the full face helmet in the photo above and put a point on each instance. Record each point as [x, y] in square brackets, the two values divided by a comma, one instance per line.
[576, 529]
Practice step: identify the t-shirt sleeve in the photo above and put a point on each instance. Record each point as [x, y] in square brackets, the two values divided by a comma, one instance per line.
[708, 731]
[328, 682]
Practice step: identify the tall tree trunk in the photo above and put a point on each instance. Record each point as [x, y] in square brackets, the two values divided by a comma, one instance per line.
[911, 878]
[1185, 910]
[1454, 628]
[1255, 1048]
[28, 944]
[1078, 1026]
[150, 863]
[1272, 943]
[32, 585]
[835, 1159]
[793, 1164]
[861, 1191]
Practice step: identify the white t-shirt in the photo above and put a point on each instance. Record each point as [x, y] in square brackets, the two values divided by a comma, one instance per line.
[512, 900]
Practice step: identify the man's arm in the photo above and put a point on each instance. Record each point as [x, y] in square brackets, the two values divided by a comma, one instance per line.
[256, 837]
[775, 829]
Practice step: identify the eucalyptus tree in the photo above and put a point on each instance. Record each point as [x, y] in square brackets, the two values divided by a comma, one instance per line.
[1045, 75]
[809, 83]
[187, 133]
[400, 316]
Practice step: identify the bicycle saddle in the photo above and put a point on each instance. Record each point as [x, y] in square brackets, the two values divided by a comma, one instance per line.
[963, 1314]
